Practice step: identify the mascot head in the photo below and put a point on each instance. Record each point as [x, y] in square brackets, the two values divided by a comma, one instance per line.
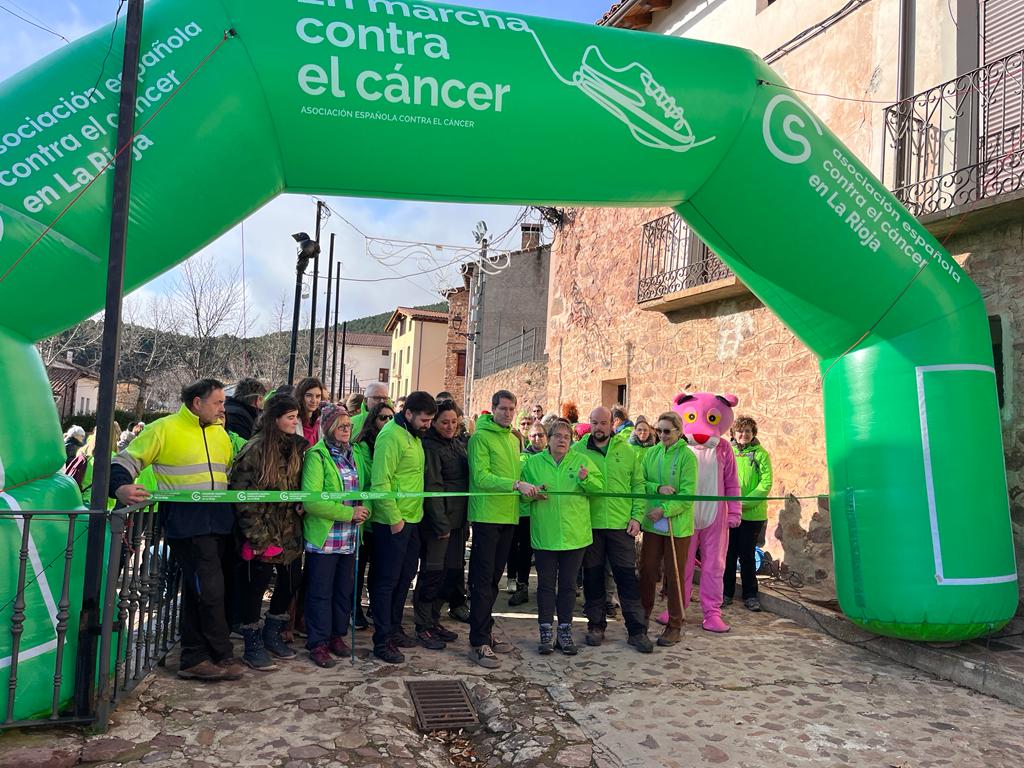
[705, 415]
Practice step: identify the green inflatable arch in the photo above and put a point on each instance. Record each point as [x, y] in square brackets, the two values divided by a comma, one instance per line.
[424, 101]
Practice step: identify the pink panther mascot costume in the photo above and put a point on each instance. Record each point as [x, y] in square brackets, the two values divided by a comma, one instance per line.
[706, 421]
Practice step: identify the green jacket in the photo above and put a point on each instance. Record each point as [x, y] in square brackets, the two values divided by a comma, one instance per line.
[561, 522]
[620, 466]
[676, 467]
[754, 467]
[320, 474]
[358, 419]
[493, 466]
[397, 466]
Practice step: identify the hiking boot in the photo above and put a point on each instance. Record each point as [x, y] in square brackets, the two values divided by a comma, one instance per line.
[511, 586]
[727, 600]
[459, 613]
[402, 640]
[611, 610]
[389, 653]
[484, 656]
[430, 640]
[595, 636]
[520, 597]
[501, 646]
[547, 637]
[752, 604]
[204, 670]
[360, 620]
[272, 639]
[641, 642]
[338, 646]
[564, 641]
[256, 655]
[321, 656]
[662, 618]
[445, 634]
[669, 637]
[233, 668]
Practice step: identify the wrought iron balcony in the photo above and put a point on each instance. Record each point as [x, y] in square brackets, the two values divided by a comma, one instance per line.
[525, 348]
[673, 258]
[958, 142]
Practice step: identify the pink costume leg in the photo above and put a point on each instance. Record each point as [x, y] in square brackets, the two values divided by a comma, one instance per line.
[713, 548]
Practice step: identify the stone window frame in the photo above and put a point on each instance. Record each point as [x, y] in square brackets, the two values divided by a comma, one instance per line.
[1005, 363]
[763, 5]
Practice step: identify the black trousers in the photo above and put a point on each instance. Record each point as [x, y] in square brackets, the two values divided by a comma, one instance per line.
[394, 565]
[556, 583]
[252, 579]
[453, 590]
[742, 541]
[618, 549]
[206, 568]
[365, 555]
[426, 598]
[487, 560]
[521, 554]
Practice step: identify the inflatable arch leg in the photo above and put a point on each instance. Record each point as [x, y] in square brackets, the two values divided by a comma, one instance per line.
[402, 99]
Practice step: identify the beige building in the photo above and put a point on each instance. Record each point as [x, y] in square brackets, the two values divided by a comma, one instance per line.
[929, 95]
[419, 347]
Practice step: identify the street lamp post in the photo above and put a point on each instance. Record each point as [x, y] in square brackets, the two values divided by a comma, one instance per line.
[307, 250]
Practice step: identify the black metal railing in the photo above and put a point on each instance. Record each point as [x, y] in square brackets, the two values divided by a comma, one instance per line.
[525, 348]
[140, 609]
[959, 142]
[673, 258]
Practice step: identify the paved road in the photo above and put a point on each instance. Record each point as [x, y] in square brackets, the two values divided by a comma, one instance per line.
[767, 693]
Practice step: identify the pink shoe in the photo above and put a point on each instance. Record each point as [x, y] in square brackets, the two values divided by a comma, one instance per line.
[662, 618]
[714, 623]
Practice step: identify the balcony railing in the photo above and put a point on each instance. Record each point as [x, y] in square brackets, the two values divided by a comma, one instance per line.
[673, 258]
[958, 142]
[525, 348]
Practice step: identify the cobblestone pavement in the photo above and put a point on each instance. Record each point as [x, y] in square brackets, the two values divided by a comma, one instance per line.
[767, 693]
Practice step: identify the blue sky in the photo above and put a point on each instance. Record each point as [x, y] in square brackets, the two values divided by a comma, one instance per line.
[21, 44]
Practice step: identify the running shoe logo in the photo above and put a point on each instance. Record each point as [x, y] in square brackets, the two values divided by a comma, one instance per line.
[633, 95]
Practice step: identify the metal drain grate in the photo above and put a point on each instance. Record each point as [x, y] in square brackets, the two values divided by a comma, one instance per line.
[442, 704]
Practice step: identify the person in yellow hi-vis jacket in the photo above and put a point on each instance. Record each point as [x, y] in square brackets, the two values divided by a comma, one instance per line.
[559, 530]
[189, 450]
[397, 466]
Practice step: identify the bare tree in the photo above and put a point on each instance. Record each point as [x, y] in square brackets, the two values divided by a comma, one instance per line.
[147, 348]
[78, 338]
[207, 305]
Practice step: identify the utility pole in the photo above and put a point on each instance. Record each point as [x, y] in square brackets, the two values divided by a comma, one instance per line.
[327, 313]
[334, 345]
[316, 274]
[344, 334]
[90, 688]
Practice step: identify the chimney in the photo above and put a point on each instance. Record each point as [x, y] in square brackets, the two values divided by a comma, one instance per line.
[531, 236]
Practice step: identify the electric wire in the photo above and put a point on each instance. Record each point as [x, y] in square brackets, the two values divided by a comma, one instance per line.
[41, 26]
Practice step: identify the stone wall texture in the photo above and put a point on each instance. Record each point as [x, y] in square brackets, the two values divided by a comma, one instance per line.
[528, 382]
[458, 305]
[597, 333]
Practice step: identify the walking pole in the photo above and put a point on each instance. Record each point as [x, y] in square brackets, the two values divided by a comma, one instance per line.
[675, 567]
[355, 592]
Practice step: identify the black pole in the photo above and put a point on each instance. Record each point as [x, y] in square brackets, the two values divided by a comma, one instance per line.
[344, 333]
[334, 345]
[86, 692]
[327, 313]
[300, 267]
[316, 274]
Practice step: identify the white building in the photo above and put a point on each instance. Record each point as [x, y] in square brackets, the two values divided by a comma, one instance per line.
[367, 358]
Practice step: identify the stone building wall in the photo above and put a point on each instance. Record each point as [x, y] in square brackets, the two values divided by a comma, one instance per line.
[598, 336]
[458, 306]
[528, 382]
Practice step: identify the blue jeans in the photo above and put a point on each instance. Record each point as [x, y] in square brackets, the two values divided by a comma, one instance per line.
[329, 583]
[395, 556]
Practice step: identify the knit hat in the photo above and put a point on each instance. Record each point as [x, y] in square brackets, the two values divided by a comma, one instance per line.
[329, 415]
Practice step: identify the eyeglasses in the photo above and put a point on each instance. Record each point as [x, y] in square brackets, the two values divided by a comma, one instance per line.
[668, 431]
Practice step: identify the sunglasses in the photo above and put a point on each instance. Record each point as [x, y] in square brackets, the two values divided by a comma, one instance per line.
[384, 418]
[668, 431]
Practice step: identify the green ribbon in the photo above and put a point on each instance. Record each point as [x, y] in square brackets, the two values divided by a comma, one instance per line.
[262, 497]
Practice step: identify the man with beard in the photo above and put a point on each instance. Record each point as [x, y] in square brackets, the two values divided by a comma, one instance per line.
[397, 466]
[615, 523]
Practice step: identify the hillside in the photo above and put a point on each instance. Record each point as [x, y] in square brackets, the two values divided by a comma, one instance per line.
[375, 323]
